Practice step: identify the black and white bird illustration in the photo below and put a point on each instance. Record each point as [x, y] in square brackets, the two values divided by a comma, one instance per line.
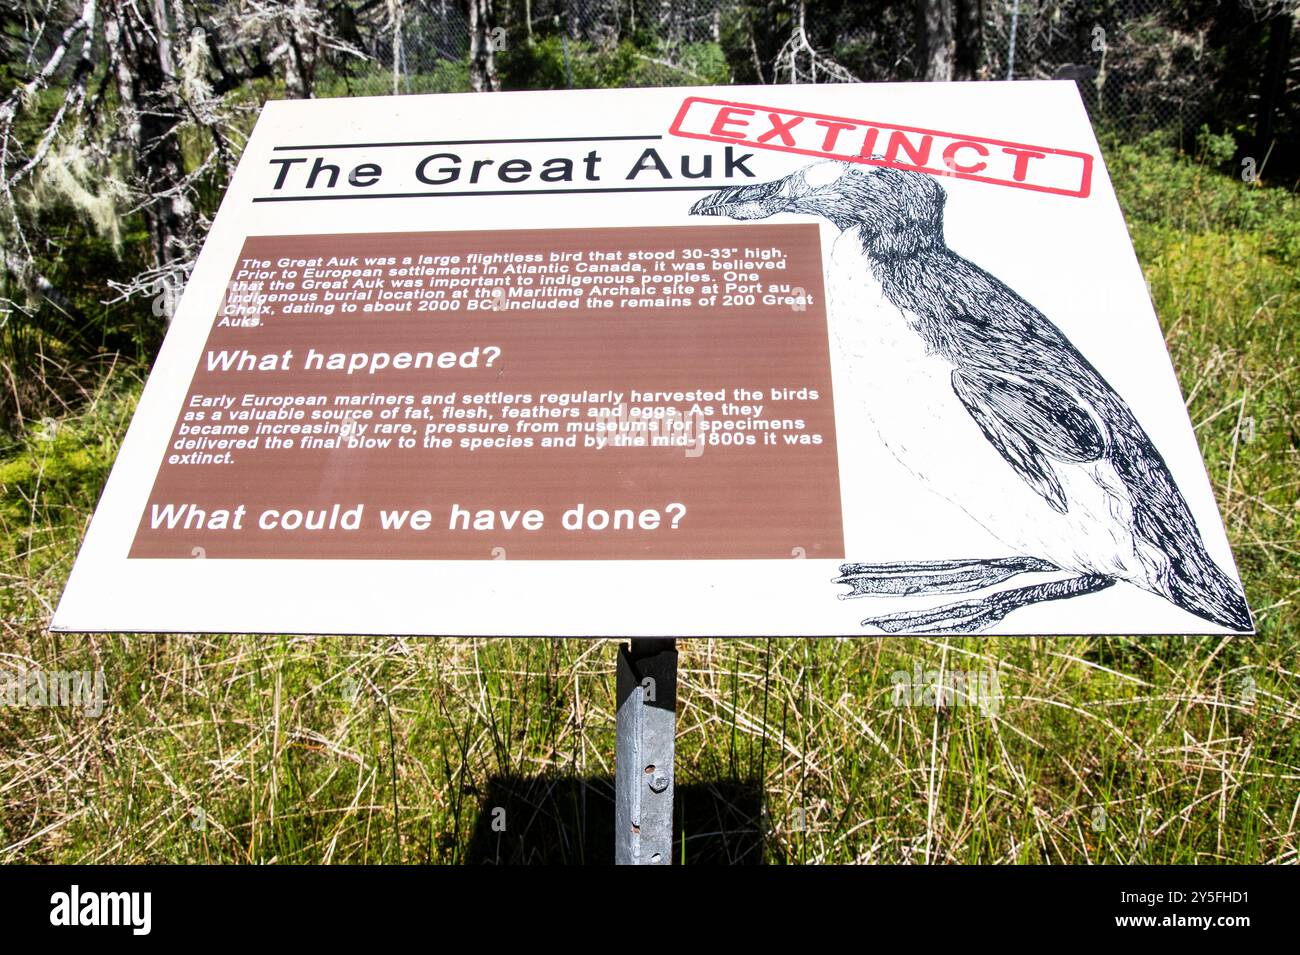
[985, 400]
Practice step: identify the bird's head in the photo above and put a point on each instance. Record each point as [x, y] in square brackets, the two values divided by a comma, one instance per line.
[898, 212]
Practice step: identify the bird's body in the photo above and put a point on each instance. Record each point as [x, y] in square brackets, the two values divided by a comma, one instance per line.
[905, 387]
[988, 403]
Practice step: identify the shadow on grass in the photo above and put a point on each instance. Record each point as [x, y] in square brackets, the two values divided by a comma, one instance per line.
[566, 820]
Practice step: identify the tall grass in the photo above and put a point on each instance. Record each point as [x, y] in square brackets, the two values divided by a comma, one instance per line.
[1102, 750]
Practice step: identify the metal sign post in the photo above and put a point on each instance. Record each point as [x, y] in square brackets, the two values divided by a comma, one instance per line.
[643, 761]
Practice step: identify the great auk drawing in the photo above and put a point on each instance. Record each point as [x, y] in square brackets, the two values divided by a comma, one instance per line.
[986, 401]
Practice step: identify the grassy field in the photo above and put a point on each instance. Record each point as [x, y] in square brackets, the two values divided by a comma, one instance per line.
[1103, 750]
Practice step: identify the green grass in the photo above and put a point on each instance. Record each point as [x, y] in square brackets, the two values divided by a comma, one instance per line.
[310, 749]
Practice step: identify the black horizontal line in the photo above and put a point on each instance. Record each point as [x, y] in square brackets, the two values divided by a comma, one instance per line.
[484, 192]
[463, 142]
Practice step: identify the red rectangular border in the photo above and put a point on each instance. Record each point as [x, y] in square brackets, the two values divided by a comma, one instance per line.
[1083, 192]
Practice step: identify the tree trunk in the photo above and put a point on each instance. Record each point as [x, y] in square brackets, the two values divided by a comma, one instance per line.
[1272, 83]
[300, 51]
[934, 24]
[969, 45]
[139, 51]
[482, 56]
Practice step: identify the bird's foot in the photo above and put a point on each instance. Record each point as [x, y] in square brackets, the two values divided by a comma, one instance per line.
[935, 576]
[970, 616]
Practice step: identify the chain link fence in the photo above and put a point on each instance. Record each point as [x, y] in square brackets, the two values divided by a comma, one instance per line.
[1138, 72]
[1139, 66]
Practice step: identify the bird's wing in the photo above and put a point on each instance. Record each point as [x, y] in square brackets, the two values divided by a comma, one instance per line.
[1031, 422]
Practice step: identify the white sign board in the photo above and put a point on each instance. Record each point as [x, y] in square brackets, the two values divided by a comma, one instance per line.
[781, 361]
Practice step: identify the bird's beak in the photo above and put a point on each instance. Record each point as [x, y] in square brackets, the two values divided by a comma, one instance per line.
[754, 201]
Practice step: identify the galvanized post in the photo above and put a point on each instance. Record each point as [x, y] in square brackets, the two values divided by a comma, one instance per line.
[646, 688]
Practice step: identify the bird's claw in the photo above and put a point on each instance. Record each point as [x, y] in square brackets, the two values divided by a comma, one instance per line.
[903, 578]
[969, 616]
